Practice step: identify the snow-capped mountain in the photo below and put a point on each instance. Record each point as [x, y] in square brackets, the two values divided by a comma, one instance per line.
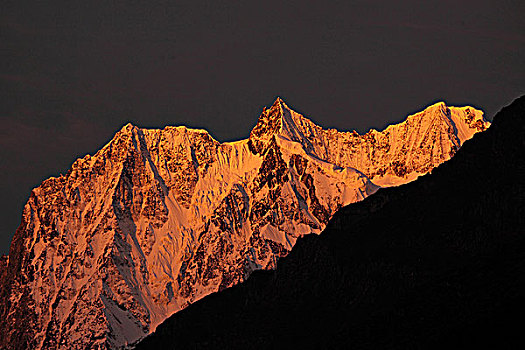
[158, 219]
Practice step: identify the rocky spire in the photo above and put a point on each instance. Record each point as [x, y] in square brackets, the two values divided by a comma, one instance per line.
[270, 121]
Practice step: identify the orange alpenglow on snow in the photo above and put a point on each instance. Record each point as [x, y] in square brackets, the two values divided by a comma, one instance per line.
[158, 219]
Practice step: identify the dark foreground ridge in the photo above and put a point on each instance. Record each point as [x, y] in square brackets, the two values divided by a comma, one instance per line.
[436, 263]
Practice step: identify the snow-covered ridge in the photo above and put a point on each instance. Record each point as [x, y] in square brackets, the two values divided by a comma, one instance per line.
[158, 219]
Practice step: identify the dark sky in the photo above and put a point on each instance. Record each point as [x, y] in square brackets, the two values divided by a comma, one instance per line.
[72, 74]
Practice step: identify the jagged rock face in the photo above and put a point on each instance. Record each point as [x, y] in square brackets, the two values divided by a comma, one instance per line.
[157, 219]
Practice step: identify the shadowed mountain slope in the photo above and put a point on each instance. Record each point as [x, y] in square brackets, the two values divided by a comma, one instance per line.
[439, 262]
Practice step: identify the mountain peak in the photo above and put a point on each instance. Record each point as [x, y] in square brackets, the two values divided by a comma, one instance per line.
[128, 127]
[158, 219]
[278, 120]
[270, 121]
[278, 99]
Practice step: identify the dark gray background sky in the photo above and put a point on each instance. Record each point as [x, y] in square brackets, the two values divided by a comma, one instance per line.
[72, 74]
